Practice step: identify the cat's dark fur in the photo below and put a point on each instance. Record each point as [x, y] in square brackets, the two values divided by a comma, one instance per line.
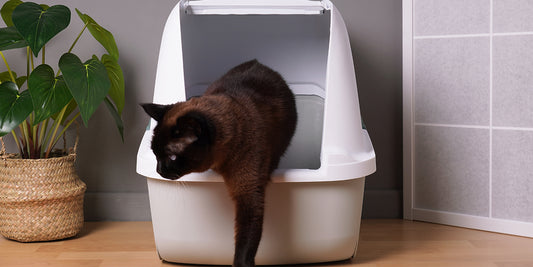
[240, 127]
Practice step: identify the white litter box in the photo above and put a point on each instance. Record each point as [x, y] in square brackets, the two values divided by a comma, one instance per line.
[313, 205]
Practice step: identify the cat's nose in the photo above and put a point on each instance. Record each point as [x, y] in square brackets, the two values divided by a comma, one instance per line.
[165, 169]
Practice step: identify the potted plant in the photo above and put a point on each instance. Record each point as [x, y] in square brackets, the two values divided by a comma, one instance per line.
[41, 197]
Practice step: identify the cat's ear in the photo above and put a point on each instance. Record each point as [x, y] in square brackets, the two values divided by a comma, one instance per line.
[157, 112]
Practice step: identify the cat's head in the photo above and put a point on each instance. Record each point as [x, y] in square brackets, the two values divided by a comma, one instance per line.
[182, 141]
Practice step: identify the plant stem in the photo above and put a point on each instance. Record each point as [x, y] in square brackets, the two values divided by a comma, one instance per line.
[77, 38]
[35, 131]
[47, 136]
[26, 136]
[57, 123]
[44, 46]
[21, 141]
[44, 129]
[8, 68]
[31, 138]
[65, 128]
[31, 59]
[16, 140]
[28, 54]
[74, 43]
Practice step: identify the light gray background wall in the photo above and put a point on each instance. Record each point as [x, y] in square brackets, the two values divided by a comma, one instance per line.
[117, 192]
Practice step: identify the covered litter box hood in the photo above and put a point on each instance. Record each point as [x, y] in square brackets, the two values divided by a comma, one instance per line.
[249, 7]
[306, 42]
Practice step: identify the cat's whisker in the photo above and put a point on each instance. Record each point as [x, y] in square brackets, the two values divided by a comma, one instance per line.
[186, 188]
[185, 185]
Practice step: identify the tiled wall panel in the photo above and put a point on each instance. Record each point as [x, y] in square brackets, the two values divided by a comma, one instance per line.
[513, 80]
[473, 107]
[452, 169]
[437, 17]
[452, 81]
[512, 182]
[512, 16]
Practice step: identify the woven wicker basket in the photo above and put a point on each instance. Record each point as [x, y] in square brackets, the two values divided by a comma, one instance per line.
[40, 199]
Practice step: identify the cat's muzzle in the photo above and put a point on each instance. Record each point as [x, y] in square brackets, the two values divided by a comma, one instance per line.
[167, 172]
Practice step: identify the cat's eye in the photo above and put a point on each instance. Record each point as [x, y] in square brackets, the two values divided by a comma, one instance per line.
[172, 157]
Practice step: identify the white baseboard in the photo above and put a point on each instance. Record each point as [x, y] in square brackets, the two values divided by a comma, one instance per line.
[475, 222]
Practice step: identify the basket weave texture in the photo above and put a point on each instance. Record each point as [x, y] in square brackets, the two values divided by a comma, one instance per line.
[40, 199]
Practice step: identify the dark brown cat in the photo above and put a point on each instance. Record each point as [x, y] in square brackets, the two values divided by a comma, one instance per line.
[240, 127]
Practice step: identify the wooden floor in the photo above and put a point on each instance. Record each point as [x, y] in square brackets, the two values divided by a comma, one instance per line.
[382, 243]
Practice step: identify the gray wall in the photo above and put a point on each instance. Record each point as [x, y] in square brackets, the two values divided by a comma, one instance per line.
[375, 29]
[117, 192]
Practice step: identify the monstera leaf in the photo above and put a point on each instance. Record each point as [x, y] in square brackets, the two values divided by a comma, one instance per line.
[5, 77]
[14, 107]
[103, 36]
[7, 11]
[116, 92]
[37, 25]
[49, 94]
[10, 38]
[88, 83]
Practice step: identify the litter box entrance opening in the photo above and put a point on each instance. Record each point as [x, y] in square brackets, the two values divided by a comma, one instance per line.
[305, 147]
[296, 46]
[306, 144]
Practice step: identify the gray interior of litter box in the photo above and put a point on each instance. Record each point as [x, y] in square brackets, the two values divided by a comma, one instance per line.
[296, 46]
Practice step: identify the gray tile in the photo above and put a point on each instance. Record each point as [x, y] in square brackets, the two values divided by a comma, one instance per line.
[452, 78]
[512, 172]
[512, 15]
[441, 17]
[452, 169]
[513, 81]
